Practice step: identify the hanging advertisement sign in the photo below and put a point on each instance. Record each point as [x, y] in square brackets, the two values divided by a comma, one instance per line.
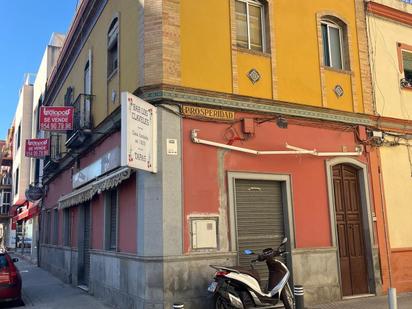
[56, 118]
[139, 133]
[37, 148]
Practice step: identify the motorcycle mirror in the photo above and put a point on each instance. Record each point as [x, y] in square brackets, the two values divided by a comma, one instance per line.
[248, 252]
[284, 241]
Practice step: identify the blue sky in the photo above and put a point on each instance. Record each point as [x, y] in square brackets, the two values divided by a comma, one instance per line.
[26, 29]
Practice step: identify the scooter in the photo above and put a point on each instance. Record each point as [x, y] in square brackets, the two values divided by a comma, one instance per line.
[236, 287]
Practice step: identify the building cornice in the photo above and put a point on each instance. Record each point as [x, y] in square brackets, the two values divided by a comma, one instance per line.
[389, 13]
[181, 95]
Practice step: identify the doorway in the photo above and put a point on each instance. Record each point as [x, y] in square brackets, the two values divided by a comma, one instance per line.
[349, 230]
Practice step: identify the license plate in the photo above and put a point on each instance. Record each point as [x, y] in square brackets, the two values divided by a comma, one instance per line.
[212, 287]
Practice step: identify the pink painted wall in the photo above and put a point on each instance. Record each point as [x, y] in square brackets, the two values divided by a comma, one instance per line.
[127, 216]
[60, 186]
[97, 205]
[96, 152]
[308, 173]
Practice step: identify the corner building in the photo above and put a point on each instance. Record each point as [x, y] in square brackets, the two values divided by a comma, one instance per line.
[269, 104]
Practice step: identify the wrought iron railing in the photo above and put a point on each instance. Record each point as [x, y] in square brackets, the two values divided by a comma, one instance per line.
[83, 120]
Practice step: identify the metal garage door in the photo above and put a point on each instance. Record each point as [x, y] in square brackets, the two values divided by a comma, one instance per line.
[259, 218]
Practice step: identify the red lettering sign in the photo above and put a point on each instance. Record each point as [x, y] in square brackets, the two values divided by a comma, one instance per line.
[37, 148]
[56, 118]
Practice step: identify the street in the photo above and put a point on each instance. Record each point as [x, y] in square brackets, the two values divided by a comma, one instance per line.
[42, 290]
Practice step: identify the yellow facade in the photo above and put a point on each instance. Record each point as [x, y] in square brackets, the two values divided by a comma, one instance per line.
[103, 88]
[397, 171]
[291, 67]
[393, 101]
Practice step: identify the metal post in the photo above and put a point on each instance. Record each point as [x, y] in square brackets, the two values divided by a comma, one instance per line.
[299, 297]
[178, 306]
[393, 303]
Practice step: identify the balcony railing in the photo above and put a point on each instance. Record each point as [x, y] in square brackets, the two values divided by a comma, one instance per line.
[55, 152]
[82, 122]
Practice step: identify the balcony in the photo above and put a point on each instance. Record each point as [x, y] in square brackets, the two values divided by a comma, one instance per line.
[82, 122]
[50, 162]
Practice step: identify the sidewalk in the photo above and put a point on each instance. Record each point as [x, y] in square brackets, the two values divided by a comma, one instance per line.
[42, 290]
[375, 302]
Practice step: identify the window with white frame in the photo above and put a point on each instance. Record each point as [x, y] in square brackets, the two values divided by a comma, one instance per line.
[333, 47]
[112, 47]
[250, 24]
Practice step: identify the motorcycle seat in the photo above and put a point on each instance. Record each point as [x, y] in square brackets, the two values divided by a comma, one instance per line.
[250, 272]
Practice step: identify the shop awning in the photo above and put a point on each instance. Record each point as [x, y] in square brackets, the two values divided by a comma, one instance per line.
[32, 210]
[19, 203]
[87, 192]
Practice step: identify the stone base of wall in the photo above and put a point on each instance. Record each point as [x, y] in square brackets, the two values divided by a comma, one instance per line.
[317, 271]
[128, 281]
[61, 262]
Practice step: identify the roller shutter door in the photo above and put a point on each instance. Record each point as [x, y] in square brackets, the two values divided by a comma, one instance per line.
[259, 219]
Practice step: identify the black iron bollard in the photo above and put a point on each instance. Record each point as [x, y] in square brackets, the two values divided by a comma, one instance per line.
[299, 297]
[178, 306]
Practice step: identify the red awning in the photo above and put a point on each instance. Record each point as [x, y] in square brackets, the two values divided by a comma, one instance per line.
[29, 212]
[20, 202]
[13, 209]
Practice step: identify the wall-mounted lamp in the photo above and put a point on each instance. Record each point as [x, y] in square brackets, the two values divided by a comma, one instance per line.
[282, 122]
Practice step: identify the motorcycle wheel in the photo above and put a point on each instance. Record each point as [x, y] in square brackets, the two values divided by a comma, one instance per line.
[222, 303]
[287, 297]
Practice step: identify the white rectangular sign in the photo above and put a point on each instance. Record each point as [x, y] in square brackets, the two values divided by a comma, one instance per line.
[139, 133]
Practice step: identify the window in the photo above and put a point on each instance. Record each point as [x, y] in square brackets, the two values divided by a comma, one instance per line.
[112, 47]
[55, 226]
[407, 64]
[67, 228]
[332, 41]
[250, 24]
[5, 202]
[111, 219]
[16, 183]
[18, 137]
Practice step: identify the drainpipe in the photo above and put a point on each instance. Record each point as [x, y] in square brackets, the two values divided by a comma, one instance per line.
[392, 301]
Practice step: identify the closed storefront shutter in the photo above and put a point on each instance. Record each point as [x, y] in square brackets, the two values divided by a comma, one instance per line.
[259, 218]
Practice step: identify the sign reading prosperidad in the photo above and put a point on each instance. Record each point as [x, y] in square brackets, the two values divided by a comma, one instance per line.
[208, 113]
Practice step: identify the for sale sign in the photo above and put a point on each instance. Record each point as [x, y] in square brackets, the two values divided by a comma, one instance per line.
[56, 118]
[37, 148]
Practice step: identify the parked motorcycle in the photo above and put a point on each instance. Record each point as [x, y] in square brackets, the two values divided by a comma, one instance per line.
[236, 287]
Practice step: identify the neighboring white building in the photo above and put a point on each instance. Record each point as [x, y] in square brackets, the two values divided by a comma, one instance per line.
[21, 164]
[36, 165]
